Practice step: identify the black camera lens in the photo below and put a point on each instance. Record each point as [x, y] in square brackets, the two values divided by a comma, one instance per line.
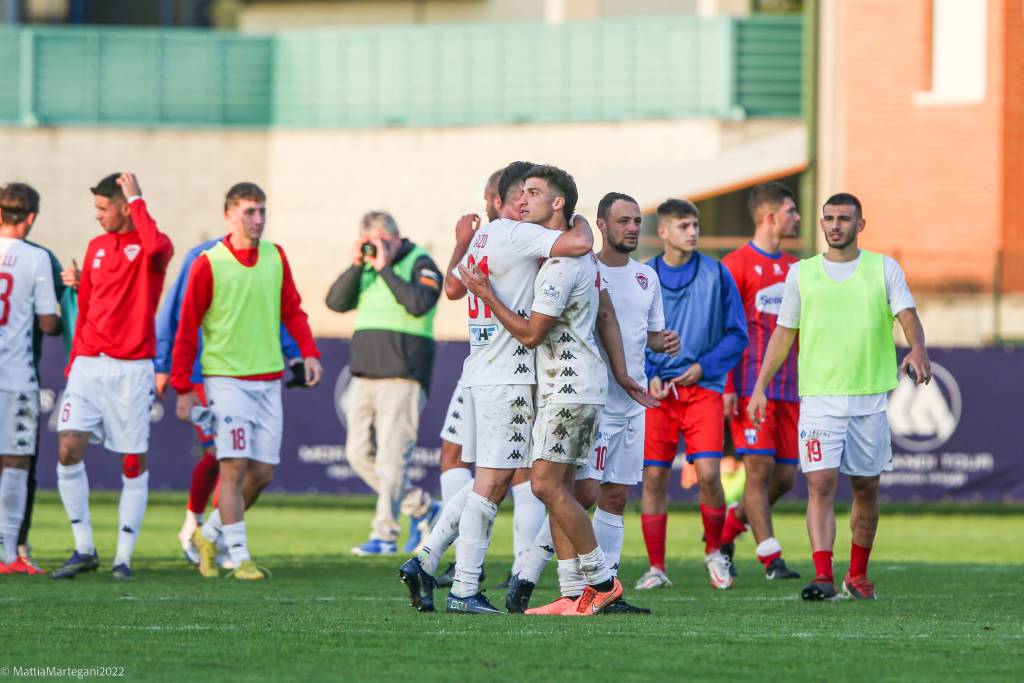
[369, 250]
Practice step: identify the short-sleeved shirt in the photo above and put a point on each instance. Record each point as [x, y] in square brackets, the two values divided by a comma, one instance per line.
[636, 294]
[510, 252]
[900, 299]
[26, 290]
[569, 364]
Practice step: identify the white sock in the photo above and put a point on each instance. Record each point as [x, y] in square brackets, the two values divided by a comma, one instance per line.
[768, 546]
[570, 579]
[212, 527]
[134, 495]
[13, 494]
[452, 482]
[234, 536]
[540, 553]
[527, 519]
[445, 530]
[595, 567]
[610, 531]
[475, 528]
[73, 484]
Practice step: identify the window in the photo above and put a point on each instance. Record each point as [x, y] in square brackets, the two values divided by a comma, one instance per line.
[959, 47]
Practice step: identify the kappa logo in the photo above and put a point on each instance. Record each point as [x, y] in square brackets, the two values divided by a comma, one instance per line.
[923, 417]
[522, 369]
[642, 280]
[131, 251]
[515, 455]
[518, 420]
[519, 402]
[547, 548]
[520, 351]
[569, 372]
[127, 529]
[565, 338]
[567, 355]
[459, 400]
[516, 438]
[564, 412]
[456, 415]
[557, 449]
[560, 431]
[567, 389]
[452, 430]
[23, 398]
[522, 313]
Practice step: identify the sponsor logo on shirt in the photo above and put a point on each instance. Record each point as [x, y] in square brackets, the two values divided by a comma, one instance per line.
[551, 292]
[642, 280]
[482, 335]
[769, 299]
[131, 251]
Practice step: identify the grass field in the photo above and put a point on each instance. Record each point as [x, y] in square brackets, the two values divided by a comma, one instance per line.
[949, 608]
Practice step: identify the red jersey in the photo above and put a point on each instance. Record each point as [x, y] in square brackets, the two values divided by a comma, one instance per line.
[120, 286]
[199, 296]
[761, 280]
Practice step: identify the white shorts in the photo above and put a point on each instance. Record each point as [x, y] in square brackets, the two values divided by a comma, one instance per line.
[565, 433]
[111, 398]
[858, 446]
[618, 453]
[19, 422]
[247, 418]
[498, 420]
[452, 429]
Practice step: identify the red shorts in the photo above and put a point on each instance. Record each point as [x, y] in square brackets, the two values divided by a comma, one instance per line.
[206, 439]
[777, 436]
[697, 414]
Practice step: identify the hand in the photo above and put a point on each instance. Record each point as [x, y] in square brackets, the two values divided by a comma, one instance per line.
[693, 374]
[358, 258]
[71, 275]
[670, 342]
[918, 359]
[129, 185]
[731, 405]
[384, 256]
[314, 371]
[161, 384]
[466, 227]
[757, 408]
[476, 281]
[637, 392]
[183, 408]
[657, 388]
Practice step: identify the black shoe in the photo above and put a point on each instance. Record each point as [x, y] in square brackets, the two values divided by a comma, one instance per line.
[620, 606]
[729, 549]
[474, 604]
[76, 564]
[446, 578]
[503, 584]
[777, 569]
[819, 589]
[517, 599]
[419, 583]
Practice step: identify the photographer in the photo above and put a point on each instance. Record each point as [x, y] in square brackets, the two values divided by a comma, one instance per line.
[393, 285]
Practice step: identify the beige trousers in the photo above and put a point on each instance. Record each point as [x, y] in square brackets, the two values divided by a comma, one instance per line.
[383, 417]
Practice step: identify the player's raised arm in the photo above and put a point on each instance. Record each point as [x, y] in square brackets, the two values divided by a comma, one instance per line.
[155, 244]
[467, 226]
[576, 241]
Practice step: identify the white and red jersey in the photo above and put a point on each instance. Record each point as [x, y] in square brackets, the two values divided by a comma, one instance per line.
[761, 280]
[569, 364]
[26, 290]
[510, 252]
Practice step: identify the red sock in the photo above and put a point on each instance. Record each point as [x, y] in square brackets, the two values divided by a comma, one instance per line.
[859, 560]
[204, 478]
[654, 527]
[823, 564]
[768, 559]
[714, 522]
[733, 526]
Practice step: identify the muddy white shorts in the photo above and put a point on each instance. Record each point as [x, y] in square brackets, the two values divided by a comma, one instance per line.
[498, 420]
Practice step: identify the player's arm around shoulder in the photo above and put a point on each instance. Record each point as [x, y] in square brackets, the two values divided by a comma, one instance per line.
[578, 240]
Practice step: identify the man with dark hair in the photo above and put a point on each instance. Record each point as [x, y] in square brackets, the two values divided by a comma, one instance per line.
[240, 291]
[770, 454]
[843, 302]
[110, 372]
[27, 298]
[703, 306]
[204, 473]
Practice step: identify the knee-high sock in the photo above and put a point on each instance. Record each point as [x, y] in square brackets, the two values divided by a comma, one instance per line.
[204, 480]
[528, 517]
[445, 530]
[73, 485]
[540, 553]
[610, 532]
[134, 496]
[714, 522]
[452, 482]
[655, 528]
[475, 529]
[13, 494]
[234, 536]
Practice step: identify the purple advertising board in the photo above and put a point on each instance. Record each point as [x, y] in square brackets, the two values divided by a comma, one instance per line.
[952, 440]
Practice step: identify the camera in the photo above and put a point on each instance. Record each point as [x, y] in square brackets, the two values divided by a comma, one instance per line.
[369, 251]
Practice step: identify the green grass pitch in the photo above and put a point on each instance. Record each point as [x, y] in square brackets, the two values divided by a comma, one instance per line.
[949, 608]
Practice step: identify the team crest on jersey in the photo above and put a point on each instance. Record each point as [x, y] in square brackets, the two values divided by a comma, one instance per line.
[642, 280]
[131, 251]
[777, 269]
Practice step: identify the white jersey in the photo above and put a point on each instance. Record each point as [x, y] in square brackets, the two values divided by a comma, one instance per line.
[26, 290]
[569, 364]
[636, 293]
[509, 252]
